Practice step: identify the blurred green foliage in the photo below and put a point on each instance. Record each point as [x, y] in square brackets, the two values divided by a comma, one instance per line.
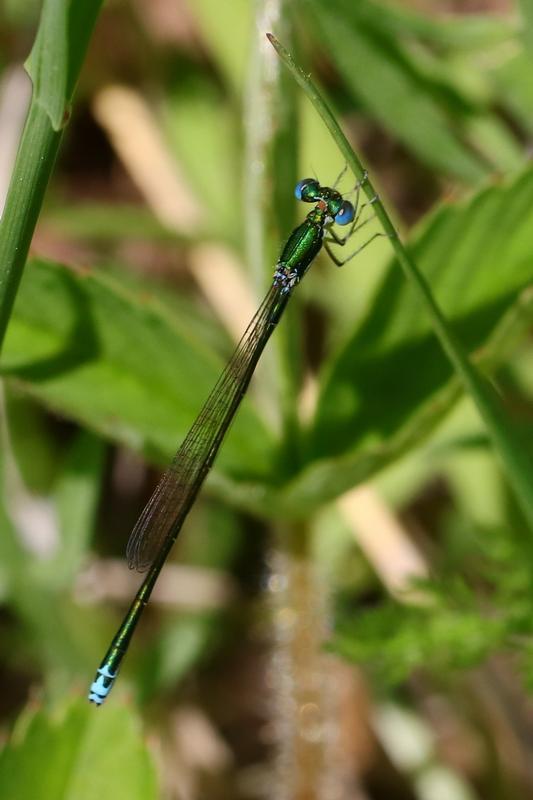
[443, 110]
[77, 754]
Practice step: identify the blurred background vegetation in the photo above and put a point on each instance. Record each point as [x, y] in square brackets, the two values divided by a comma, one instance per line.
[347, 613]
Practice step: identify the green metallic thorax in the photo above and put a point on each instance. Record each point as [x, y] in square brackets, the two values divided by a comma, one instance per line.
[304, 243]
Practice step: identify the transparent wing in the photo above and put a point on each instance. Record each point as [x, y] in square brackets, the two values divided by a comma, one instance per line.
[161, 520]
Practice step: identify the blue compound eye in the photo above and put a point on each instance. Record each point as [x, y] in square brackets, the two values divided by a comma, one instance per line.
[307, 190]
[345, 214]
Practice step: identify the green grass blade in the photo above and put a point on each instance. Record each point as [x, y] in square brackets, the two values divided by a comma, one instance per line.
[515, 459]
[33, 167]
[53, 66]
[55, 61]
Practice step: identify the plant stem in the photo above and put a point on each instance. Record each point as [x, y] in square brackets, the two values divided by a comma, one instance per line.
[33, 166]
[303, 721]
[54, 65]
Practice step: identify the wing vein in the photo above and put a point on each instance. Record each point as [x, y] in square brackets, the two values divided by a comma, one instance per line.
[162, 517]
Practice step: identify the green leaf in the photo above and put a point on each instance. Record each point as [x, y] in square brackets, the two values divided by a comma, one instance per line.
[121, 366]
[79, 754]
[324, 479]
[58, 52]
[476, 257]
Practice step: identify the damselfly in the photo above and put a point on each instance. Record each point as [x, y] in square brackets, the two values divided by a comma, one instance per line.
[162, 518]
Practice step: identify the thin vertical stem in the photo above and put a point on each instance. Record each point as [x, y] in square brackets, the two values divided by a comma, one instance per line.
[33, 166]
[302, 691]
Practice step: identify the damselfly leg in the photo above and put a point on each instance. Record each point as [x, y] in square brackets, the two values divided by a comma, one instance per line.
[333, 238]
[341, 262]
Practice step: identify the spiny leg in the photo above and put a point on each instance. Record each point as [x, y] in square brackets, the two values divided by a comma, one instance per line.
[354, 227]
[334, 238]
[338, 262]
[357, 186]
[358, 182]
[357, 190]
[356, 224]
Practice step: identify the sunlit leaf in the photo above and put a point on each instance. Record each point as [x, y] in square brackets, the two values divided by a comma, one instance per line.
[77, 755]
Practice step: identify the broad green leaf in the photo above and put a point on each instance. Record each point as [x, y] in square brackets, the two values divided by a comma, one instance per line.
[57, 55]
[323, 479]
[120, 365]
[477, 258]
[78, 754]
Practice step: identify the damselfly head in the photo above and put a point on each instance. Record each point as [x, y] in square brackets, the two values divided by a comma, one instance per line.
[307, 190]
[345, 214]
[310, 191]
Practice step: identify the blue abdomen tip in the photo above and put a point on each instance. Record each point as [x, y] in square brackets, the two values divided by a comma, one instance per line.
[103, 684]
